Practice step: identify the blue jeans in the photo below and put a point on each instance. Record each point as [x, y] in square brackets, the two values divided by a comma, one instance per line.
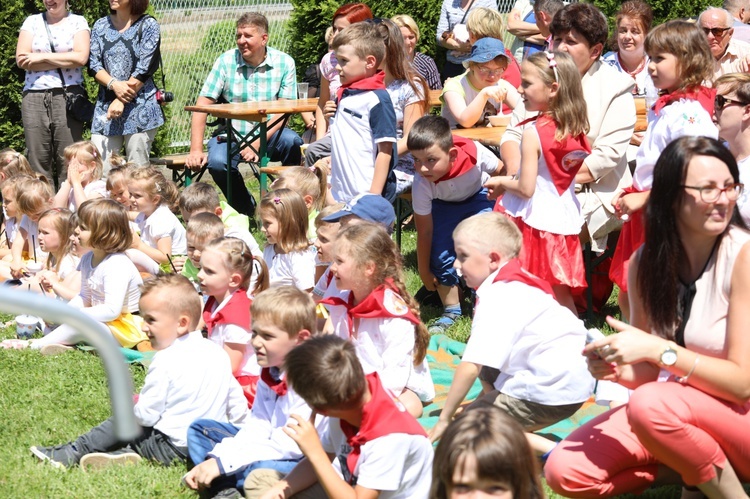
[284, 146]
[204, 434]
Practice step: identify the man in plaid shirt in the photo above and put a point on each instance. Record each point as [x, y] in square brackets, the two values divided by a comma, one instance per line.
[251, 72]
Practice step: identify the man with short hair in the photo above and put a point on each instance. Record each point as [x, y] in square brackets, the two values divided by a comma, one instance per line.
[544, 11]
[730, 55]
[740, 10]
[250, 72]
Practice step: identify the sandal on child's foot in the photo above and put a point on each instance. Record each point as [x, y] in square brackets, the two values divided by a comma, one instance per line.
[54, 349]
[443, 323]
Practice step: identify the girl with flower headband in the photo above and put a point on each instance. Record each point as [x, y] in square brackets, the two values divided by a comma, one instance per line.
[84, 179]
[155, 198]
[288, 254]
[680, 61]
[541, 198]
[226, 271]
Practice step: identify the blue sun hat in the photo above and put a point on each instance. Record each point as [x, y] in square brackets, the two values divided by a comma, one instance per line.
[485, 50]
[367, 206]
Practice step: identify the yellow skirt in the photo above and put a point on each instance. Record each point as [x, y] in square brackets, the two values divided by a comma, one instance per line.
[127, 330]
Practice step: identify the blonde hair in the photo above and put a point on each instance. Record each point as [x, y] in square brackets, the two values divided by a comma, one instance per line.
[238, 258]
[408, 22]
[62, 221]
[11, 185]
[739, 83]
[205, 227]
[364, 38]
[688, 44]
[289, 210]
[178, 289]
[199, 196]
[485, 23]
[109, 225]
[86, 152]
[328, 210]
[156, 185]
[368, 242]
[490, 231]
[32, 194]
[296, 314]
[118, 174]
[12, 164]
[306, 181]
[568, 106]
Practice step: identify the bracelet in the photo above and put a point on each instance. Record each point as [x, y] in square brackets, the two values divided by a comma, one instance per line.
[683, 379]
[109, 85]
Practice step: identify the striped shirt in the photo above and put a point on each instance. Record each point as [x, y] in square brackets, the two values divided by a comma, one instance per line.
[237, 81]
[425, 66]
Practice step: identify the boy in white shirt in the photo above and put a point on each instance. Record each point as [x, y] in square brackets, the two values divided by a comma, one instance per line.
[518, 329]
[225, 454]
[189, 378]
[377, 448]
[448, 189]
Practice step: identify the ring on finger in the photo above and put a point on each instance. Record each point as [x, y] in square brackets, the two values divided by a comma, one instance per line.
[604, 349]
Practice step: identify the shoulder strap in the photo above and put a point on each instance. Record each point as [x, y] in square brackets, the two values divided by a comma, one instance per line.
[52, 48]
[466, 12]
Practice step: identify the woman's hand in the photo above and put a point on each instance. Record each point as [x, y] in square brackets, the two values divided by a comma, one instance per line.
[123, 91]
[629, 346]
[116, 107]
[25, 61]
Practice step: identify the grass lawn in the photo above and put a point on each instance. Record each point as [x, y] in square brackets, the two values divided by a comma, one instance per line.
[51, 400]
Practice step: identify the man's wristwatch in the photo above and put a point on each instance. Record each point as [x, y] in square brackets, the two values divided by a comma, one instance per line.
[669, 356]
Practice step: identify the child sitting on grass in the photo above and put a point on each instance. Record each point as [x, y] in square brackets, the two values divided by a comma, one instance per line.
[189, 378]
[377, 448]
[224, 453]
[518, 329]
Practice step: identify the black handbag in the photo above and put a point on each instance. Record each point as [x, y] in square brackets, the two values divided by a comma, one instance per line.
[77, 103]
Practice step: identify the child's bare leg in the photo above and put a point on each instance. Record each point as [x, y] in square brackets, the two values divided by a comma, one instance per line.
[565, 298]
[539, 444]
[449, 295]
[411, 402]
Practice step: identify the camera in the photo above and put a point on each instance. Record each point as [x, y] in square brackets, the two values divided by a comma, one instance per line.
[164, 97]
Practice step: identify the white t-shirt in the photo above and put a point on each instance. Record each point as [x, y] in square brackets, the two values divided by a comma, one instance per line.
[68, 265]
[290, 269]
[11, 228]
[456, 189]
[162, 223]
[32, 238]
[96, 187]
[63, 33]
[110, 289]
[462, 86]
[398, 465]
[231, 333]
[534, 341]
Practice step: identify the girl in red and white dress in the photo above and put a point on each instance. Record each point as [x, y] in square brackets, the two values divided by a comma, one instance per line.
[541, 198]
[680, 62]
[226, 270]
[377, 314]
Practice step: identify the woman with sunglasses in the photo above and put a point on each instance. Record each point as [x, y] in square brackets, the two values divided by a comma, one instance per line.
[469, 98]
[732, 116]
[686, 354]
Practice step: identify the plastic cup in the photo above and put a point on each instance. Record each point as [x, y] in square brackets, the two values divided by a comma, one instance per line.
[302, 89]
[26, 326]
[34, 267]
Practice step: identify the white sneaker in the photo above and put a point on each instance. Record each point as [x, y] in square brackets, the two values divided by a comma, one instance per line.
[99, 460]
[54, 349]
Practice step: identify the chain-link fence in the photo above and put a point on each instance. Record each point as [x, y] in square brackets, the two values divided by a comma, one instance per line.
[194, 33]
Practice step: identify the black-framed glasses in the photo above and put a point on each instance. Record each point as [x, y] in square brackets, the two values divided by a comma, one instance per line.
[717, 32]
[711, 193]
[720, 102]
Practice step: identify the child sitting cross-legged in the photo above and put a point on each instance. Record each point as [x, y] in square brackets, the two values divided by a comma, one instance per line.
[376, 447]
[518, 329]
[225, 454]
[448, 188]
[189, 378]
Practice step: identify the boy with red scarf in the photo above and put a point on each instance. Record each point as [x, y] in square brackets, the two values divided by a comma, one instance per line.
[519, 329]
[377, 448]
[363, 132]
[224, 454]
[448, 188]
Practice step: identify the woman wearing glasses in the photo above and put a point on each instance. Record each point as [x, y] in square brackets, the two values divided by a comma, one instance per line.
[687, 353]
[732, 116]
[469, 98]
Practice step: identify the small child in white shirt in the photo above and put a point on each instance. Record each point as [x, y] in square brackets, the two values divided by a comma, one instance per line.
[84, 166]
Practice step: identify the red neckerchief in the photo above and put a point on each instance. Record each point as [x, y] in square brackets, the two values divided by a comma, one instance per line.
[279, 386]
[563, 157]
[384, 301]
[380, 417]
[512, 271]
[236, 311]
[466, 158]
[704, 95]
[374, 82]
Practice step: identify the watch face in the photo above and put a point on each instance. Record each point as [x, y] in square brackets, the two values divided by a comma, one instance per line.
[669, 357]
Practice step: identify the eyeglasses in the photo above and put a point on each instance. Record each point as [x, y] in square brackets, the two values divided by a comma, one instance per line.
[717, 32]
[486, 72]
[720, 102]
[711, 194]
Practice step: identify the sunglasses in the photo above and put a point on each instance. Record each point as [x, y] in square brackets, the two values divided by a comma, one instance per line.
[720, 102]
[717, 32]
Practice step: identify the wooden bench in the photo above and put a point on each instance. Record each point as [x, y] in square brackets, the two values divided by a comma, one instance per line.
[181, 175]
